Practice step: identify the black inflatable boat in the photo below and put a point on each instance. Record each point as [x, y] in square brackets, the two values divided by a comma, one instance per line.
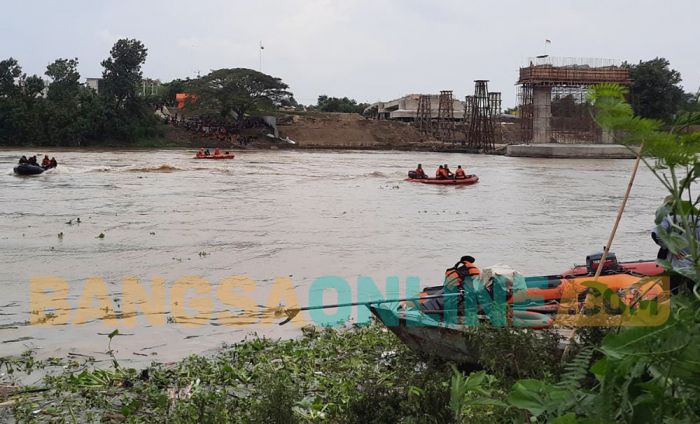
[28, 169]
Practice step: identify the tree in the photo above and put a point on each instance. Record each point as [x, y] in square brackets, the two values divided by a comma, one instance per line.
[33, 86]
[656, 92]
[233, 93]
[122, 74]
[65, 84]
[692, 102]
[336, 104]
[126, 114]
[10, 72]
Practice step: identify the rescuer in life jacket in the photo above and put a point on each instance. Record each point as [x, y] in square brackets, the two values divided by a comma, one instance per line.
[45, 162]
[458, 282]
[419, 172]
[217, 152]
[439, 173]
[459, 173]
[448, 173]
[455, 276]
[200, 153]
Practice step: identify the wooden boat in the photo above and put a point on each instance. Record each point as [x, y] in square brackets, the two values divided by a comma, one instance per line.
[469, 180]
[547, 302]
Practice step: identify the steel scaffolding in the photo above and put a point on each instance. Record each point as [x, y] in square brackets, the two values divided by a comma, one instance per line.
[445, 120]
[424, 114]
[481, 132]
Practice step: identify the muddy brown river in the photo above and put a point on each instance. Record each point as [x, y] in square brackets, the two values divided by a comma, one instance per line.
[281, 219]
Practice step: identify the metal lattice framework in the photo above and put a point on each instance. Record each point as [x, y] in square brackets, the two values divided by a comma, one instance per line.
[424, 114]
[446, 124]
[481, 133]
[526, 111]
[495, 103]
[468, 102]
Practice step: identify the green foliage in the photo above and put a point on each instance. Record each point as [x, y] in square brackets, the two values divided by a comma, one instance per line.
[33, 86]
[70, 114]
[122, 74]
[472, 393]
[539, 398]
[336, 104]
[692, 102]
[644, 374]
[518, 352]
[576, 370]
[10, 72]
[656, 89]
[230, 94]
[672, 156]
[65, 85]
[276, 398]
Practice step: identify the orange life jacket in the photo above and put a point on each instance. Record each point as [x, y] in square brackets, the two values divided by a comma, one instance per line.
[459, 173]
[454, 277]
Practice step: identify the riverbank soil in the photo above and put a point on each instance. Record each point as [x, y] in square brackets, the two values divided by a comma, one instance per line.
[319, 130]
[353, 131]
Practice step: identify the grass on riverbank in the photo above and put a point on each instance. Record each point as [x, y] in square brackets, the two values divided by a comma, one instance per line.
[363, 375]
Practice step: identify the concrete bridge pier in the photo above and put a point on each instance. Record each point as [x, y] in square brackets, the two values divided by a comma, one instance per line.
[542, 114]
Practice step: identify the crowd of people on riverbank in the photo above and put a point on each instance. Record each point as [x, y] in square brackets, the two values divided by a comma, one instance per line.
[219, 131]
[442, 173]
[46, 163]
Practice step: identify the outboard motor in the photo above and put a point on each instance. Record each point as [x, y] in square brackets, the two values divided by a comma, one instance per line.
[412, 174]
[609, 267]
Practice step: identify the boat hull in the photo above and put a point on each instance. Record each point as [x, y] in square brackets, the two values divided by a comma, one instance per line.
[471, 179]
[27, 169]
[548, 302]
[221, 157]
[431, 339]
[649, 268]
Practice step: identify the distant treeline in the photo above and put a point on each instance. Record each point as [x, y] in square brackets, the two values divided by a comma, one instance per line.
[336, 104]
[63, 112]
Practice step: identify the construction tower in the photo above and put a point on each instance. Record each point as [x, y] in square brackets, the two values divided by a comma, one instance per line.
[481, 134]
[424, 114]
[445, 125]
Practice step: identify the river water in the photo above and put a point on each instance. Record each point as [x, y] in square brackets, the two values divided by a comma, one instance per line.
[294, 214]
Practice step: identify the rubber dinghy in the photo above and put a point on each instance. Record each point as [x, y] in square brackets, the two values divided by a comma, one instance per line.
[469, 180]
[220, 157]
[28, 169]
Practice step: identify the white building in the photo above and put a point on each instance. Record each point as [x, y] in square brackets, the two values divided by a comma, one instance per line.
[406, 108]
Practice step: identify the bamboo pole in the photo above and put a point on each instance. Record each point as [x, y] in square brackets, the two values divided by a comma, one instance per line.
[607, 247]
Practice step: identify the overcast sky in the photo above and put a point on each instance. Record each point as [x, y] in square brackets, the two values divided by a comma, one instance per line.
[366, 49]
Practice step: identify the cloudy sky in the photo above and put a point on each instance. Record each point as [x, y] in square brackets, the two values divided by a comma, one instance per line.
[366, 49]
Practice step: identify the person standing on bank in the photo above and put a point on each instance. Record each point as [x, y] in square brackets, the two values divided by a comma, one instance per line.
[672, 224]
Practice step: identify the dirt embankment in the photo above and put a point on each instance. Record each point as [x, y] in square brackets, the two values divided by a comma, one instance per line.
[352, 131]
[319, 130]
